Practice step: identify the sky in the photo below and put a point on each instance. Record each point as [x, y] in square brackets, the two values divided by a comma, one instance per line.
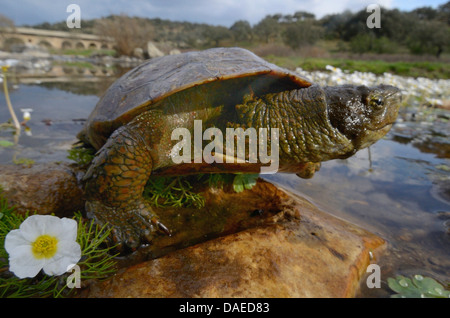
[214, 12]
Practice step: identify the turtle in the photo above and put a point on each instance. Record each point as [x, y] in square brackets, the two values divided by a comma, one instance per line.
[132, 125]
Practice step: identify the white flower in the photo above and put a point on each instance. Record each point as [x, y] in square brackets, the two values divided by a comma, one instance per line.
[9, 62]
[43, 242]
[26, 113]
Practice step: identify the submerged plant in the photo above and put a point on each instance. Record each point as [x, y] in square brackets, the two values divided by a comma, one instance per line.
[8, 101]
[179, 192]
[172, 192]
[417, 287]
[81, 155]
[96, 261]
[244, 181]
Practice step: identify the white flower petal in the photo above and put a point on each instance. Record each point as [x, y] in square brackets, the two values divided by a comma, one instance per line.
[15, 239]
[18, 244]
[32, 227]
[67, 230]
[69, 253]
[23, 264]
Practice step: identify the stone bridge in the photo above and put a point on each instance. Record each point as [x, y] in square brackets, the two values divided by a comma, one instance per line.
[52, 39]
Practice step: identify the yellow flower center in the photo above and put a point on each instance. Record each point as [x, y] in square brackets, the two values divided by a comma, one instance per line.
[45, 246]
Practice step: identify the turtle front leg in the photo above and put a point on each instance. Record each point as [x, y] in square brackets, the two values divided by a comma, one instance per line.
[114, 185]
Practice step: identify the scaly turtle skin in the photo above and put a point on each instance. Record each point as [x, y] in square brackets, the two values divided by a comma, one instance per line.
[131, 126]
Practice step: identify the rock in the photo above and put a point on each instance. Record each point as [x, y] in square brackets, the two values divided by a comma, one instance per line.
[262, 242]
[298, 252]
[174, 51]
[153, 51]
[138, 52]
[44, 188]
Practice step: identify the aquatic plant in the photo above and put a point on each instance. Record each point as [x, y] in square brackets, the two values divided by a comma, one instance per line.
[417, 287]
[179, 192]
[8, 101]
[81, 155]
[96, 261]
[23, 161]
[244, 181]
[6, 143]
[42, 242]
[172, 192]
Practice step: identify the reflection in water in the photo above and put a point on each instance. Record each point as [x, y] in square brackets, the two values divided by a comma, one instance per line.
[392, 196]
[399, 190]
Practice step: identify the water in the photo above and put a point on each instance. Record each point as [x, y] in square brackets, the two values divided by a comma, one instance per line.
[399, 189]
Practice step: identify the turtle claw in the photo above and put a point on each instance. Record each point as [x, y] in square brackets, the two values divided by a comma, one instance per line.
[161, 226]
[135, 226]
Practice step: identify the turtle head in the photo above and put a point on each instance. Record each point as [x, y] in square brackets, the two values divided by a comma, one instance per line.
[363, 114]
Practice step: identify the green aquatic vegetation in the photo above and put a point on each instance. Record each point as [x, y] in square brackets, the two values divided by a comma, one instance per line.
[23, 161]
[244, 181]
[6, 143]
[172, 192]
[216, 180]
[417, 287]
[81, 155]
[8, 101]
[179, 191]
[96, 261]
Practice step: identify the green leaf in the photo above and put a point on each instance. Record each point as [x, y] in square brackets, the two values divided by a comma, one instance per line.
[417, 287]
[81, 155]
[244, 181]
[6, 143]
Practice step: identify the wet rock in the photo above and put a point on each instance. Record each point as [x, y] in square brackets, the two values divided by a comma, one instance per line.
[297, 252]
[45, 188]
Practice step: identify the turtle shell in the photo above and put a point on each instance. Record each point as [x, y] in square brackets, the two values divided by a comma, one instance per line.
[158, 78]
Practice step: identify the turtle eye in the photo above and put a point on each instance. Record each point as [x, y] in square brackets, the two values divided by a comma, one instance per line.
[377, 102]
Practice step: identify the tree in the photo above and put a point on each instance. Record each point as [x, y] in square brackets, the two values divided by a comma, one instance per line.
[425, 13]
[396, 25]
[302, 33]
[303, 15]
[242, 31]
[334, 24]
[6, 24]
[215, 34]
[444, 13]
[128, 33]
[267, 28]
[429, 37]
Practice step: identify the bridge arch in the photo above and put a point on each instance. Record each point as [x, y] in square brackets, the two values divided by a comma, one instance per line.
[79, 45]
[45, 44]
[66, 45]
